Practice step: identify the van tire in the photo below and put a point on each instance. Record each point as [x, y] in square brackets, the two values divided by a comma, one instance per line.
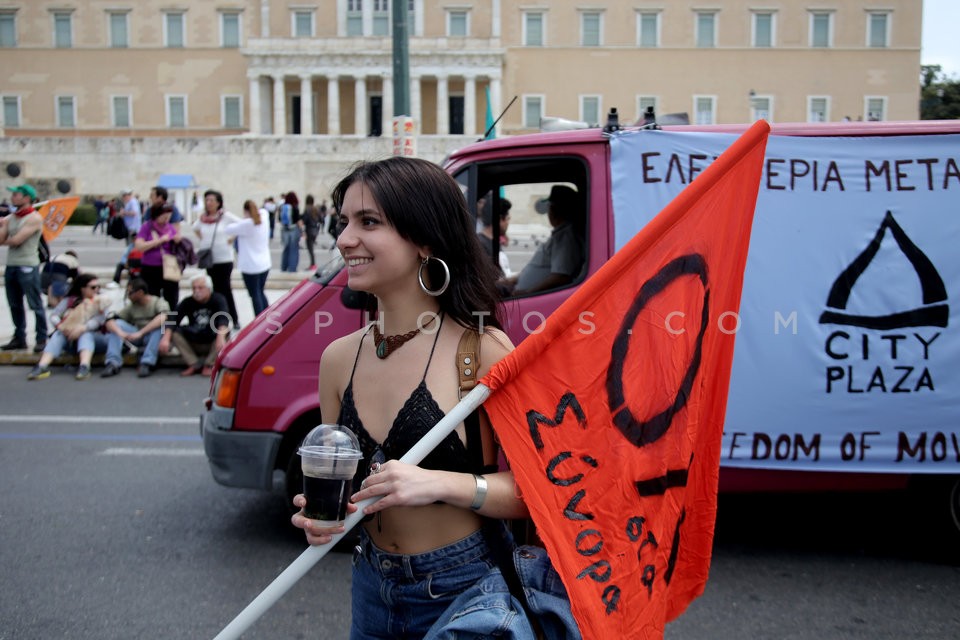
[937, 500]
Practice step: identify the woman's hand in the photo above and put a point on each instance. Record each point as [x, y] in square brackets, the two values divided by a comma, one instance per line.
[401, 485]
[316, 534]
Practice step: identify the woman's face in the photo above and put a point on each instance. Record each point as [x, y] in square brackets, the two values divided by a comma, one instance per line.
[91, 290]
[211, 203]
[163, 218]
[378, 259]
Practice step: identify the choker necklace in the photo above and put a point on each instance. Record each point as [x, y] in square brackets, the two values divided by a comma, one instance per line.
[385, 345]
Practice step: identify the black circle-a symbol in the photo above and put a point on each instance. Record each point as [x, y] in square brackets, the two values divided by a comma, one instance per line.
[13, 169]
[644, 432]
[63, 186]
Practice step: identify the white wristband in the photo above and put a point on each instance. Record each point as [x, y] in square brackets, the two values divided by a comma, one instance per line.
[481, 494]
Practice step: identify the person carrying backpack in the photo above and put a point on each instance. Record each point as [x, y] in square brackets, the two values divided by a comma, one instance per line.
[290, 224]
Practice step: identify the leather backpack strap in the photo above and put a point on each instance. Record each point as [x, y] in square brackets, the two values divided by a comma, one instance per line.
[468, 360]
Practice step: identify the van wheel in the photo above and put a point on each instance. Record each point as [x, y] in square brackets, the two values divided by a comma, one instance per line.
[938, 503]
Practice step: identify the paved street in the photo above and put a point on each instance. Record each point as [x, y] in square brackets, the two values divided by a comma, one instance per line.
[111, 527]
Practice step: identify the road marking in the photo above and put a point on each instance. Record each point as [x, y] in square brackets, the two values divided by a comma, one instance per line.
[135, 437]
[103, 419]
[131, 451]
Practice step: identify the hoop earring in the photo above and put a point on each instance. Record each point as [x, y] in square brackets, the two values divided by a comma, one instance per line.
[446, 273]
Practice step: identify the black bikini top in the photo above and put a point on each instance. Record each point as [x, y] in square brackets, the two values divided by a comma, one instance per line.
[416, 417]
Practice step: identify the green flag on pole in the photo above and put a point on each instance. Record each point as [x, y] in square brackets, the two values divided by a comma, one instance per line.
[489, 124]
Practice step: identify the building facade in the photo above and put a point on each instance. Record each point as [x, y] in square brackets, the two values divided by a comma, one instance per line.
[278, 76]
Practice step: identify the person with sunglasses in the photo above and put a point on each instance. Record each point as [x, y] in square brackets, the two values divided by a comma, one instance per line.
[78, 319]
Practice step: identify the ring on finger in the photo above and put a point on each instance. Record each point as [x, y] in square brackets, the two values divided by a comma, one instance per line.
[375, 468]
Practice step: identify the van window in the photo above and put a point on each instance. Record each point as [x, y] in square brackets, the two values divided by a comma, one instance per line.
[531, 219]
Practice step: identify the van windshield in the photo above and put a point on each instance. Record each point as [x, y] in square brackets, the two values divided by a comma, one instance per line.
[327, 270]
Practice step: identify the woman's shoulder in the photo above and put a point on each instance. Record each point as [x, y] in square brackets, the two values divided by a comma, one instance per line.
[494, 346]
[344, 349]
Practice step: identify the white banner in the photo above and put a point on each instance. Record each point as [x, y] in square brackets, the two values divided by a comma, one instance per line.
[848, 346]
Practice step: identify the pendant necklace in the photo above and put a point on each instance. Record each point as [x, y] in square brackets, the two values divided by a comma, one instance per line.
[385, 345]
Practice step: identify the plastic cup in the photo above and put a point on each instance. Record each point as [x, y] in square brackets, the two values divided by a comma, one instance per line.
[328, 458]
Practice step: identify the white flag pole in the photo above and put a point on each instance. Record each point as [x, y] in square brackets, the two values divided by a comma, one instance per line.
[299, 567]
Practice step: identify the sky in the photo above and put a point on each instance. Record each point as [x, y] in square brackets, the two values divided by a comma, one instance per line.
[941, 21]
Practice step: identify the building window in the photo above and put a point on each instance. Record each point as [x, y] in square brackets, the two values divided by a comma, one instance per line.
[821, 29]
[590, 109]
[119, 33]
[704, 109]
[763, 29]
[411, 17]
[706, 29]
[302, 26]
[177, 112]
[11, 111]
[174, 32]
[761, 108]
[533, 29]
[458, 23]
[532, 111]
[591, 27]
[818, 109]
[648, 29]
[232, 112]
[8, 29]
[381, 17]
[66, 112]
[875, 108]
[354, 17]
[62, 29]
[120, 112]
[878, 29]
[646, 104]
[229, 29]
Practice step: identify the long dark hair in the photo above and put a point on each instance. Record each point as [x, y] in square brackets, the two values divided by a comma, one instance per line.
[75, 293]
[425, 205]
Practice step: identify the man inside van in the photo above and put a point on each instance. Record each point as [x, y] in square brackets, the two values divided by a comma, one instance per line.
[558, 261]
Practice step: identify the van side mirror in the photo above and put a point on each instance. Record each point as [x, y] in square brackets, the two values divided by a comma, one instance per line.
[362, 300]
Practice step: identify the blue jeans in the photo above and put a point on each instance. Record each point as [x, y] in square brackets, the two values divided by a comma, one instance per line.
[255, 283]
[24, 282]
[92, 341]
[291, 249]
[149, 342]
[401, 596]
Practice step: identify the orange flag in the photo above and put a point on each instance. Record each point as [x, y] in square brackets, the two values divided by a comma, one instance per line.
[612, 416]
[55, 215]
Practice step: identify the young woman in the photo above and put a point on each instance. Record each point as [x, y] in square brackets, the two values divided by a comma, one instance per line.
[211, 228]
[78, 319]
[154, 239]
[253, 252]
[407, 238]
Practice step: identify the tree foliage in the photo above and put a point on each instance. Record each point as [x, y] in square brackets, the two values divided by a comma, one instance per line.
[939, 94]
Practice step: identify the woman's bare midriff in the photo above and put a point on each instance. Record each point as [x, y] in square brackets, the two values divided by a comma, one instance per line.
[410, 530]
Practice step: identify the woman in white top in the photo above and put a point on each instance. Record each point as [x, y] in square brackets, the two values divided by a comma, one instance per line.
[213, 235]
[253, 252]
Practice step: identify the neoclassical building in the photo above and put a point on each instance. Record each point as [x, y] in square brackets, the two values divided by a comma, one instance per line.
[269, 72]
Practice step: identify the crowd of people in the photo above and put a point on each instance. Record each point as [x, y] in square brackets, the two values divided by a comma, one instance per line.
[158, 246]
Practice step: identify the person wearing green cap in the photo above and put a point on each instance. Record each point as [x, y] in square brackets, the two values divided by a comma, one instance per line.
[20, 231]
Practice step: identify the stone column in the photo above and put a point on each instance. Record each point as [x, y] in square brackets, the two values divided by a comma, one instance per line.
[470, 106]
[279, 107]
[254, 109]
[387, 105]
[415, 110]
[360, 124]
[306, 106]
[333, 106]
[443, 106]
[495, 98]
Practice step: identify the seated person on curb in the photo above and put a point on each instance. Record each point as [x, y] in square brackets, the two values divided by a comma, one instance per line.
[140, 323]
[78, 319]
[559, 260]
[206, 329]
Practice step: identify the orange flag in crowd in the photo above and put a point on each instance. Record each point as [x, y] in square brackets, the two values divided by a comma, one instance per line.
[611, 416]
[55, 215]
